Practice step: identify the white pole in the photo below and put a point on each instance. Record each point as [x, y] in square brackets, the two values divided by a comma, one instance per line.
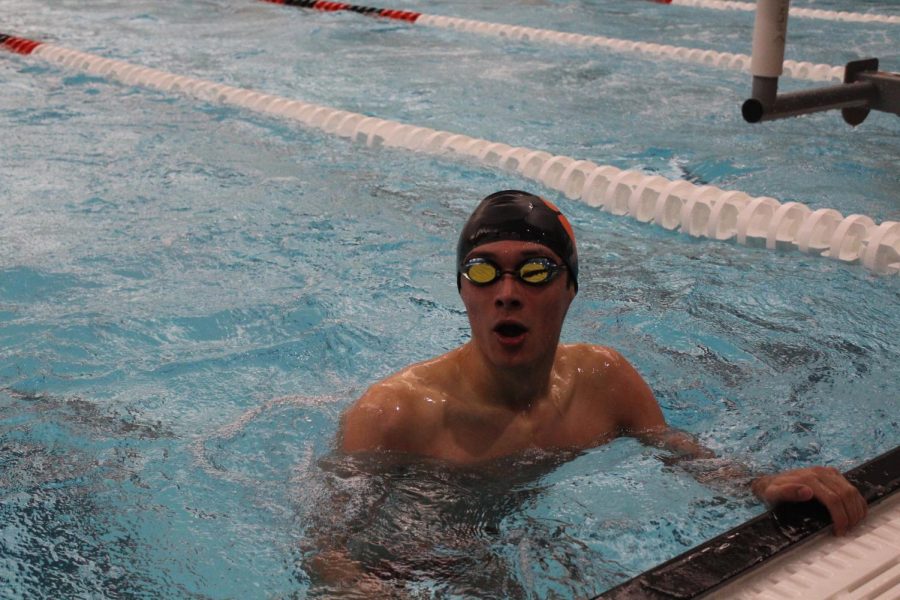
[769, 37]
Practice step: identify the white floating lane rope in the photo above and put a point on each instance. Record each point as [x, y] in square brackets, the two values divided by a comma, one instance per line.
[725, 60]
[699, 211]
[808, 13]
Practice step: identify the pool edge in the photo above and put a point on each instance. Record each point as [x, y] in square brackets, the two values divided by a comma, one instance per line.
[726, 557]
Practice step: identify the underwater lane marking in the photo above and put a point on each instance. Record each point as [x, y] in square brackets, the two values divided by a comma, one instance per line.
[699, 211]
[726, 60]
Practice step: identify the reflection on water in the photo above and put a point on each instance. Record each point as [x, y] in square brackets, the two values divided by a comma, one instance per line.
[432, 529]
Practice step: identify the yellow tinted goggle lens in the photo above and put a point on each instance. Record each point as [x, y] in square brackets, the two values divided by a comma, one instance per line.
[482, 272]
[534, 272]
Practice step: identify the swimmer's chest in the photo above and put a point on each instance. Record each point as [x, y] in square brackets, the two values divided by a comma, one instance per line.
[494, 432]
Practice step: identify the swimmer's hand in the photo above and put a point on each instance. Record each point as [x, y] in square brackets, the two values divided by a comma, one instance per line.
[336, 576]
[333, 567]
[843, 501]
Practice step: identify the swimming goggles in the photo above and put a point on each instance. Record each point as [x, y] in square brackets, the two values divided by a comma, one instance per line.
[533, 271]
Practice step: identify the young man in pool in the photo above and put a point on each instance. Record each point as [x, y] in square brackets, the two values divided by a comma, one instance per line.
[514, 387]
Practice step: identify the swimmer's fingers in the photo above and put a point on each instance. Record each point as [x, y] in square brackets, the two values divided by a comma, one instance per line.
[844, 503]
[842, 495]
[774, 491]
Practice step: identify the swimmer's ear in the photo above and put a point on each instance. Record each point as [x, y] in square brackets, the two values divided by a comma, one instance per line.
[572, 285]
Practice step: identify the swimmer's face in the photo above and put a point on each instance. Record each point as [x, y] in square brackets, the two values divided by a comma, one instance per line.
[515, 324]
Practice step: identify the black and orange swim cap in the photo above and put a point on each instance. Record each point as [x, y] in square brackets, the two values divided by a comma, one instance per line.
[517, 215]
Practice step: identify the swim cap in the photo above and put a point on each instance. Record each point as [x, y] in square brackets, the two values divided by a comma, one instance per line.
[516, 215]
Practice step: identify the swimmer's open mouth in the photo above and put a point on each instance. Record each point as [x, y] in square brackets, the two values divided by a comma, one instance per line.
[510, 329]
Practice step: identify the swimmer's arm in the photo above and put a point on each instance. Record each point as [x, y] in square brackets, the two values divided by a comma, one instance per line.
[333, 573]
[643, 419]
[326, 559]
[637, 413]
[845, 505]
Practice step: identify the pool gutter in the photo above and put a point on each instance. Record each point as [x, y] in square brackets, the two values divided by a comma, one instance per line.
[721, 561]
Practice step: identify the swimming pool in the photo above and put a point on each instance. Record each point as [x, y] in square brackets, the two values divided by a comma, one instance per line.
[190, 293]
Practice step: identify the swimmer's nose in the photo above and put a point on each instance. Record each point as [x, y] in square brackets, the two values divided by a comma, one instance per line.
[507, 295]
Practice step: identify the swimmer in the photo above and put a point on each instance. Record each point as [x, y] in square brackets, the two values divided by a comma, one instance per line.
[513, 387]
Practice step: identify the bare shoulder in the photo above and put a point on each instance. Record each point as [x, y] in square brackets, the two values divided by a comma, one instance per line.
[593, 351]
[381, 417]
[393, 414]
[593, 363]
[606, 377]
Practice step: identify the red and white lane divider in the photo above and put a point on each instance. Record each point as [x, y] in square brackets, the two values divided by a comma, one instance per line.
[699, 211]
[401, 15]
[807, 13]
[17, 44]
[726, 60]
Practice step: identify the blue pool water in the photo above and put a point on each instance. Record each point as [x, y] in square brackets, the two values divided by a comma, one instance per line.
[191, 294]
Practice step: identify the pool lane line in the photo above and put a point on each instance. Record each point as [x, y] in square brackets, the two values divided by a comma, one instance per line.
[401, 15]
[699, 211]
[17, 44]
[726, 60]
[806, 13]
